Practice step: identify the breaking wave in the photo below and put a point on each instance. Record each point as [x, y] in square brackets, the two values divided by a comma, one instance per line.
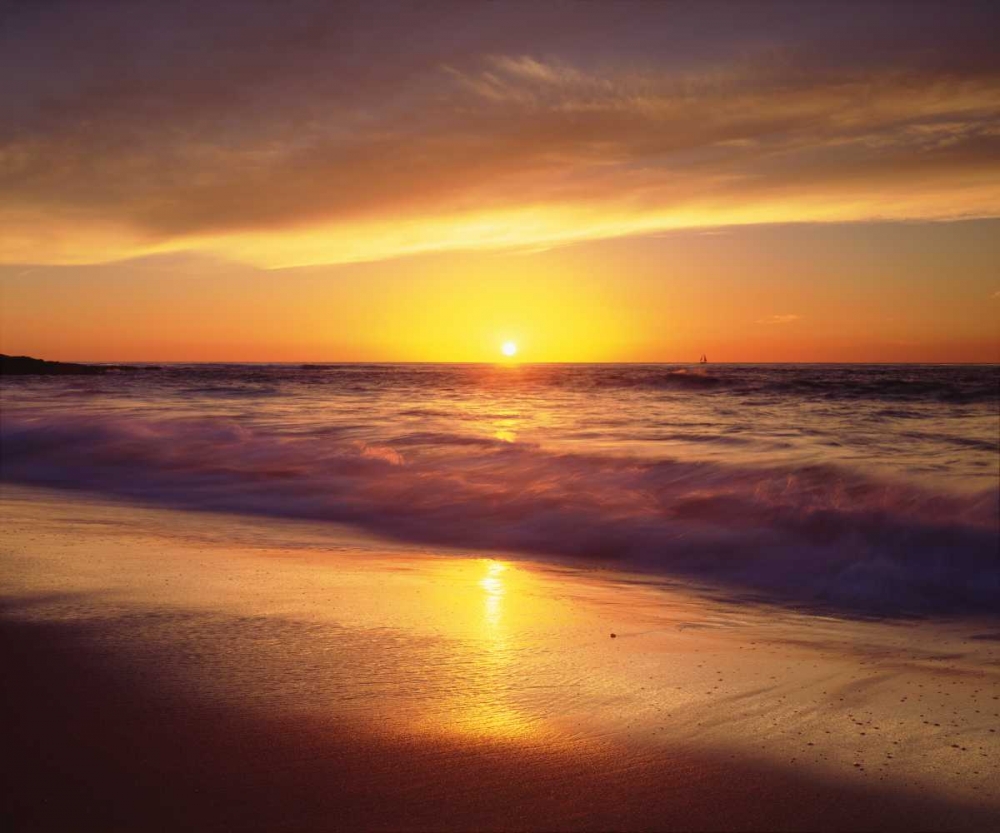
[816, 534]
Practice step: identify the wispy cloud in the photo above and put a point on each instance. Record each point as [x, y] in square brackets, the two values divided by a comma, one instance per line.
[787, 318]
[283, 161]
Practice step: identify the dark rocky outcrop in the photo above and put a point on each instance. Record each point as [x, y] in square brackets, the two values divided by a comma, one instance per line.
[27, 366]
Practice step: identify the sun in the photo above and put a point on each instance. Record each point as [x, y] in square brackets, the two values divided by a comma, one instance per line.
[509, 348]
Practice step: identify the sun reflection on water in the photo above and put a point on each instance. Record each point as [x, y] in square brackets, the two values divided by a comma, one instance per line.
[483, 706]
[505, 435]
[495, 589]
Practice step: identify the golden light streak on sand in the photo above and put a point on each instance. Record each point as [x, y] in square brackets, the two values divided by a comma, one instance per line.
[482, 708]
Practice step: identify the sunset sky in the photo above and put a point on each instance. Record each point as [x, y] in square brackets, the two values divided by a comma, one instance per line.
[425, 181]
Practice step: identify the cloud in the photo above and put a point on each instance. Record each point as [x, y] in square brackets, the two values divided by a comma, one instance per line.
[344, 140]
[779, 319]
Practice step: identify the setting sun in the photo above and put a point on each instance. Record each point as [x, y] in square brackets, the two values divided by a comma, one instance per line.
[509, 348]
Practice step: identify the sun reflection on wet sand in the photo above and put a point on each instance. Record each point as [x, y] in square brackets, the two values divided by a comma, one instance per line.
[495, 589]
[483, 706]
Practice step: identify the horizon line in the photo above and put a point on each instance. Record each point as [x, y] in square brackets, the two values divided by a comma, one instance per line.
[499, 363]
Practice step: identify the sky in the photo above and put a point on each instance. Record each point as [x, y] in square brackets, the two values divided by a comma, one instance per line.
[424, 181]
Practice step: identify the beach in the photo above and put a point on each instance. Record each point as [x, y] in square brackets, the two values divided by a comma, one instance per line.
[438, 416]
[179, 669]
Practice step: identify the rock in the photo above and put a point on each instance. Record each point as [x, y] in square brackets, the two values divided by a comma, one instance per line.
[27, 366]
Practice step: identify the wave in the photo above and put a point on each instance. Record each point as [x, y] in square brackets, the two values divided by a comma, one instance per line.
[947, 385]
[684, 378]
[815, 534]
[902, 389]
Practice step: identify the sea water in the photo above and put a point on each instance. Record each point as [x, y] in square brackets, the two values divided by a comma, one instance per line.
[872, 487]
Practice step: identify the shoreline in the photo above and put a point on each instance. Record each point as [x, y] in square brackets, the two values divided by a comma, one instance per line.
[172, 668]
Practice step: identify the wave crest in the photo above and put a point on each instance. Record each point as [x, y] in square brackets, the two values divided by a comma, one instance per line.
[816, 534]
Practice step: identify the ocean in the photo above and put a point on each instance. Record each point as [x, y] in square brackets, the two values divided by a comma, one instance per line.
[862, 489]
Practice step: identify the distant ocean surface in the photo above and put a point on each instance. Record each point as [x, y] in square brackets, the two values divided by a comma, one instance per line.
[873, 488]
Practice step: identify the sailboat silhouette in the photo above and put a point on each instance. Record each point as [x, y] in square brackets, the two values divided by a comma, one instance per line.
[704, 359]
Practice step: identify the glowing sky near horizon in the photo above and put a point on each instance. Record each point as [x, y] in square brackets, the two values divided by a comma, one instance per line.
[415, 181]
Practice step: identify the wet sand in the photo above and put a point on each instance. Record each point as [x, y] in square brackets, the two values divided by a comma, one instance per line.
[174, 670]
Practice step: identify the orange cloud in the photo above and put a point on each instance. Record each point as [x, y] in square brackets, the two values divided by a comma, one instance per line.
[496, 151]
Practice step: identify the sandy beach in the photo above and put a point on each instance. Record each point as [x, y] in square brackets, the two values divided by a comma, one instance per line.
[169, 670]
